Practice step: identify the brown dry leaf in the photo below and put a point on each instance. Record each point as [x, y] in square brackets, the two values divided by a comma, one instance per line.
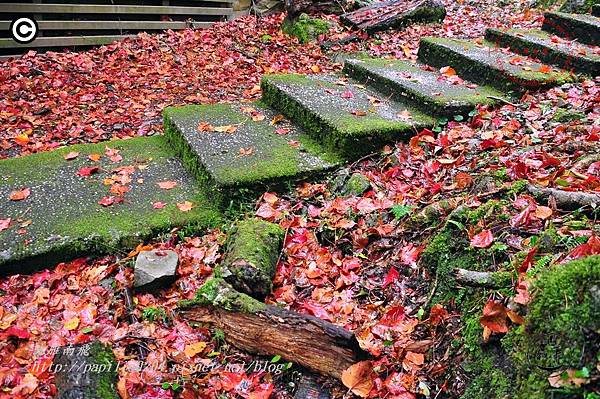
[94, 157]
[205, 127]
[71, 155]
[543, 212]
[277, 119]
[358, 113]
[245, 152]
[226, 128]
[447, 71]
[359, 378]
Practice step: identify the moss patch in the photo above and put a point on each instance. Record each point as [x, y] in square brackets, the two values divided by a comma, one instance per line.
[561, 330]
[305, 28]
[251, 257]
[62, 215]
[217, 292]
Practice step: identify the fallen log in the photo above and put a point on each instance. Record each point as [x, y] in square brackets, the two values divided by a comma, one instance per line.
[483, 279]
[255, 327]
[566, 200]
[251, 257]
[394, 14]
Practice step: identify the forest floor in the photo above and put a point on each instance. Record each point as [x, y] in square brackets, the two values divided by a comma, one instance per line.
[362, 261]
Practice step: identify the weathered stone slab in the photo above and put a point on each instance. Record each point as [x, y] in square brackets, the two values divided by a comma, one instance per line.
[581, 27]
[62, 217]
[237, 148]
[549, 48]
[343, 115]
[486, 64]
[429, 90]
[154, 269]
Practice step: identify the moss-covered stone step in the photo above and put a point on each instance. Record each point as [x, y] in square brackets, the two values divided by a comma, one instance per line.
[239, 149]
[485, 64]
[424, 86]
[549, 48]
[62, 218]
[345, 116]
[581, 27]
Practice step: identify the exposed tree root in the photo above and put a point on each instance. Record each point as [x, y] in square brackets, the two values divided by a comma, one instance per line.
[483, 279]
[566, 200]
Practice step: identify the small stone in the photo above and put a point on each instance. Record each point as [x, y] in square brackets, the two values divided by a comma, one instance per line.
[154, 269]
[357, 184]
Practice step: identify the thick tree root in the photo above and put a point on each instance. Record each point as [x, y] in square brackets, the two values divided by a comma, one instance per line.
[566, 200]
[269, 330]
[483, 279]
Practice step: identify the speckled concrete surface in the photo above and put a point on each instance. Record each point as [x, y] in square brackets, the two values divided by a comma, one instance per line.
[62, 218]
[427, 89]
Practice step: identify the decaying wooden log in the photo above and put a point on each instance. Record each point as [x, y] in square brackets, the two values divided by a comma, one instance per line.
[394, 13]
[262, 329]
[483, 279]
[294, 8]
[566, 200]
[251, 257]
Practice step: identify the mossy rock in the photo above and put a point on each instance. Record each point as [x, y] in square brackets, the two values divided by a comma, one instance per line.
[356, 184]
[305, 28]
[562, 329]
[566, 115]
[219, 293]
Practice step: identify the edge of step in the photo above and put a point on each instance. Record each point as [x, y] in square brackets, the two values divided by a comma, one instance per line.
[548, 48]
[345, 116]
[425, 87]
[485, 64]
[241, 149]
[583, 27]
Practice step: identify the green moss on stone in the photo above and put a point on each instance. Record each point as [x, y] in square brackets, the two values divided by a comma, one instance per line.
[564, 115]
[559, 330]
[305, 28]
[217, 292]
[251, 257]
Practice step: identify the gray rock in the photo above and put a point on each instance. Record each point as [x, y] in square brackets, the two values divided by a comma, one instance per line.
[154, 269]
[357, 184]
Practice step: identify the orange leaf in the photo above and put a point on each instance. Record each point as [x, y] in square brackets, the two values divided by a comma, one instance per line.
[192, 350]
[185, 206]
[447, 71]
[20, 195]
[167, 185]
[545, 69]
[359, 378]
[543, 212]
[494, 317]
[94, 157]
[71, 324]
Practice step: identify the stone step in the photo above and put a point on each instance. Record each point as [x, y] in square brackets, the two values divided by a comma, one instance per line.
[61, 218]
[345, 116]
[485, 64]
[424, 86]
[239, 149]
[569, 55]
[581, 27]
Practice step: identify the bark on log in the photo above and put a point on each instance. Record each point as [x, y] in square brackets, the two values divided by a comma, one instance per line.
[566, 200]
[85, 371]
[483, 279]
[269, 330]
[251, 257]
[394, 13]
[294, 8]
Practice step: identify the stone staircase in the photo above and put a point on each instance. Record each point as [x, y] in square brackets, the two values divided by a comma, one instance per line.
[220, 154]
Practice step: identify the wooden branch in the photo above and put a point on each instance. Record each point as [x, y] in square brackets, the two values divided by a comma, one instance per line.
[269, 330]
[566, 200]
[483, 279]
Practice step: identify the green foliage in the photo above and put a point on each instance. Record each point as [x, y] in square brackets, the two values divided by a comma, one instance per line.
[155, 313]
[400, 211]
